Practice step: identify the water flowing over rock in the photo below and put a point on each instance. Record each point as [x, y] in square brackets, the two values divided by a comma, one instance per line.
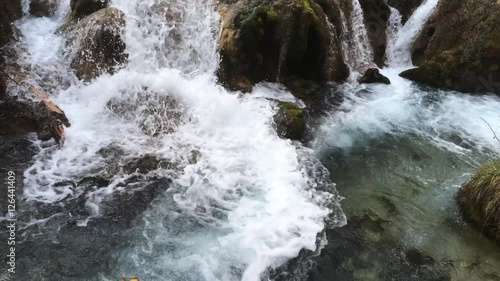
[43, 8]
[10, 10]
[376, 14]
[269, 40]
[99, 43]
[405, 7]
[458, 48]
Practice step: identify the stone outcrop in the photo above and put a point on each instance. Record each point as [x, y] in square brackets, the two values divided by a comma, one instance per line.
[268, 40]
[98, 39]
[43, 8]
[376, 14]
[459, 47]
[10, 10]
[373, 75]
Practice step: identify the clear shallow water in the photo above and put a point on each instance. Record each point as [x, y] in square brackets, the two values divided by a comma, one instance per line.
[399, 155]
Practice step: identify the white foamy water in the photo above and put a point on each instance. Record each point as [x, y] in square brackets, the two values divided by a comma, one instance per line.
[404, 109]
[242, 201]
[398, 50]
[357, 51]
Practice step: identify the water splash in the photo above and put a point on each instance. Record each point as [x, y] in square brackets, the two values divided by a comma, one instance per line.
[244, 204]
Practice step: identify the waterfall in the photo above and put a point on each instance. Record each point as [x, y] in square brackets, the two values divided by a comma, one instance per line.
[357, 51]
[246, 201]
[399, 47]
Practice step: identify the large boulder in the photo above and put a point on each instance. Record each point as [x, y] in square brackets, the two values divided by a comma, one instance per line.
[405, 7]
[376, 14]
[479, 199]
[372, 76]
[43, 8]
[268, 40]
[98, 40]
[10, 10]
[459, 47]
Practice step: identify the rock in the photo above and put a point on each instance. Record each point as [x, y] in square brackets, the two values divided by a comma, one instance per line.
[290, 122]
[83, 8]
[373, 75]
[145, 164]
[479, 199]
[99, 44]
[405, 7]
[268, 40]
[22, 117]
[10, 11]
[43, 8]
[458, 49]
[376, 14]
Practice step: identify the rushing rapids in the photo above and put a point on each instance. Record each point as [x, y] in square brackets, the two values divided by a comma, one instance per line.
[166, 175]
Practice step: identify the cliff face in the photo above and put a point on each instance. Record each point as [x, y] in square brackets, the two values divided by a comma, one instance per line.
[459, 48]
[264, 40]
[405, 7]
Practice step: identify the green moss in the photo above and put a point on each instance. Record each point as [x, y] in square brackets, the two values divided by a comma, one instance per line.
[253, 29]
[301, 88]
[309, 8]
[290, 121]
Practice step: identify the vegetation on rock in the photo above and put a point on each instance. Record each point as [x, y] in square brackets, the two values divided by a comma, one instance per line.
[459, 48]
[43, 8]
[290, 121]
[269, 40]
[405, 7]
[479, 199]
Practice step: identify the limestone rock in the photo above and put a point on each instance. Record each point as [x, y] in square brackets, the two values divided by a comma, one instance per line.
[373, 75]
[10, 10]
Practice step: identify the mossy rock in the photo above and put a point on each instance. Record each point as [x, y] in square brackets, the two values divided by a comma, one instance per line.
[458, 48]
[479, 199]
[290, 121]
[302, 88]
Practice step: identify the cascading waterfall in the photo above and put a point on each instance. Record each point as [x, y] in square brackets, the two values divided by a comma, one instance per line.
[357, 51]
[399, 154]
[400, 45]
[240, 200]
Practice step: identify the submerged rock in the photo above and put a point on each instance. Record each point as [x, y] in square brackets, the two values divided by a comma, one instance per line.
[458, 49]
[10, 11]
[290, 121]
[43, 8]
[99, 43]
[268, 40]
[373, 75]
[479, 199]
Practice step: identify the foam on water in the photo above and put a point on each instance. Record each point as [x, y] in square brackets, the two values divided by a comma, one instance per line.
[245, 204]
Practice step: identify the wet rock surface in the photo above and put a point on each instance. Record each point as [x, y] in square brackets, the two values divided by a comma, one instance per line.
[267, 40]
[458, 49]
[99, 44]
[10, 10]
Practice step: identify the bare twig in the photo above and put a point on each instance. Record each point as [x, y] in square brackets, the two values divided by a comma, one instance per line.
[491, 128]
